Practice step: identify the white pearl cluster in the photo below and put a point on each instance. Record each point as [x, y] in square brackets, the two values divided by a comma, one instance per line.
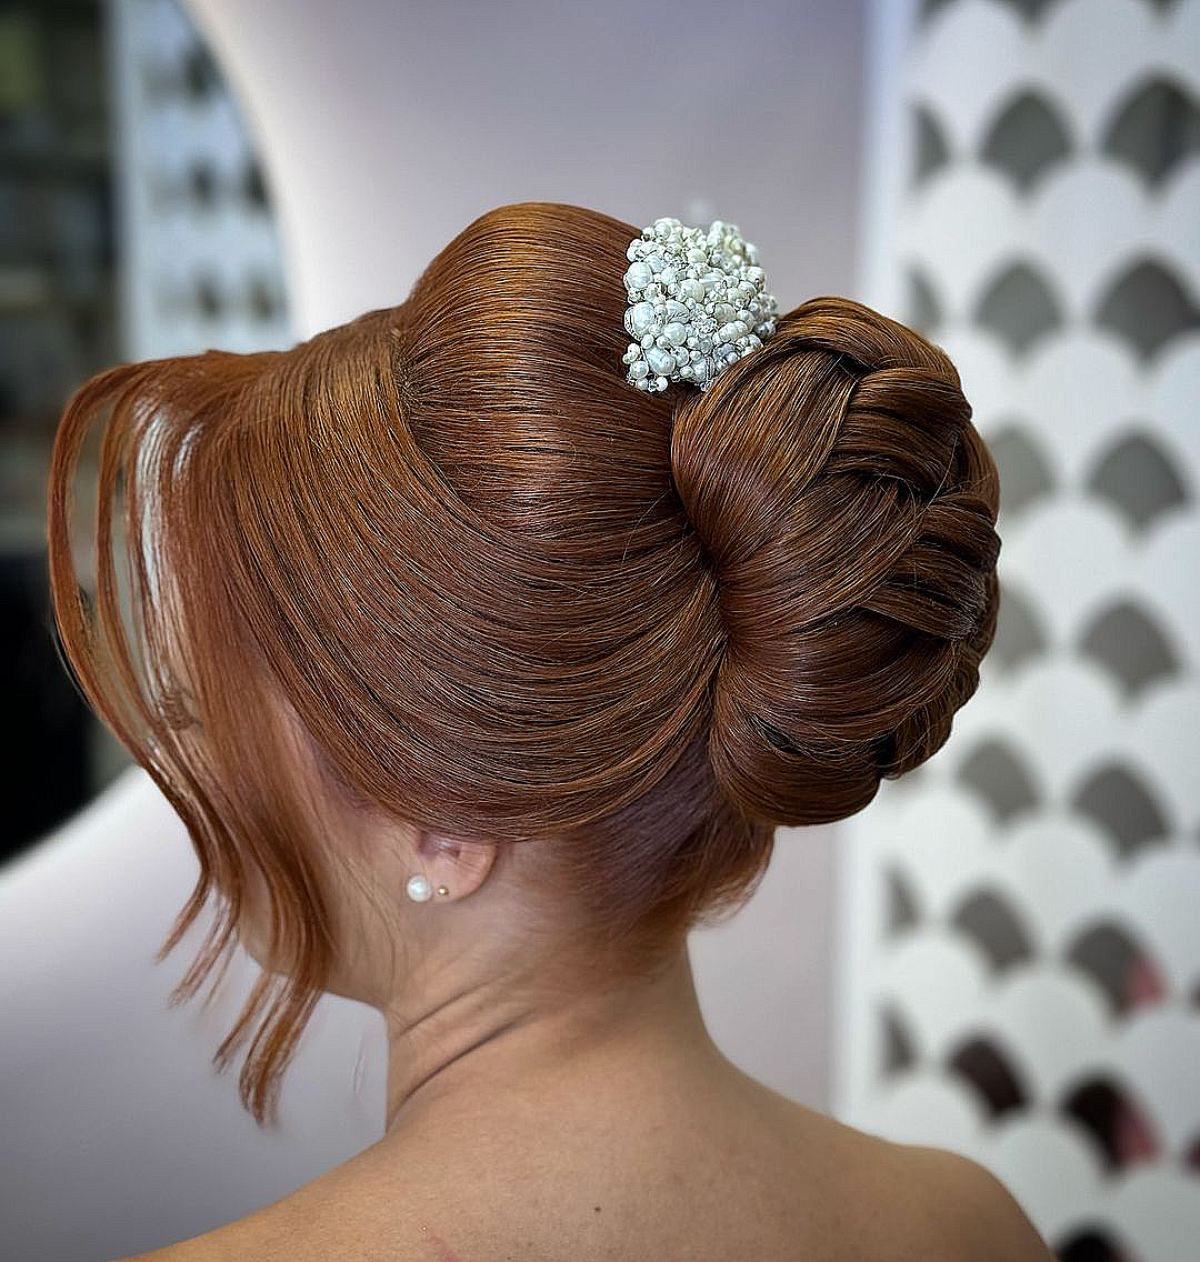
[696, 303]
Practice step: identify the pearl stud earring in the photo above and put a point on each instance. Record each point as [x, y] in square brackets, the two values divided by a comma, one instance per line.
[419, 889]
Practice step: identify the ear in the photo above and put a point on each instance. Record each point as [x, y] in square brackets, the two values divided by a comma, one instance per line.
[461, 867]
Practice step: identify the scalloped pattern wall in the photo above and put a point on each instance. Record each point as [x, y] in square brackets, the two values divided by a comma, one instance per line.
[1023, 913]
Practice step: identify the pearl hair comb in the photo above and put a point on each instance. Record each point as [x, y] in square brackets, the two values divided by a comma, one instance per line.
[696, 302]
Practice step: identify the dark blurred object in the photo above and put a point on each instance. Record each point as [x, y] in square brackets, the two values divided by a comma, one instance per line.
[58, 325]
[47, 722]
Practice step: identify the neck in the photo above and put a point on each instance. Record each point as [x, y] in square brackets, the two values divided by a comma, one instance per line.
[471, 1044]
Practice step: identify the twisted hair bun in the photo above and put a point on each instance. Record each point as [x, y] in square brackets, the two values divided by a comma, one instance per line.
[847, 506]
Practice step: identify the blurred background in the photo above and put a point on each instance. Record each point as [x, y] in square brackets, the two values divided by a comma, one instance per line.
[136, 223]
[1001, 955]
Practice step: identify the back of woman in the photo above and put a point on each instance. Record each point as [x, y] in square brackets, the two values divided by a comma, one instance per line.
[483, 644]
[756, 1177]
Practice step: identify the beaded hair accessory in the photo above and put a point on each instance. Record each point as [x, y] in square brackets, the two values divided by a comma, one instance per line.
[696, 302]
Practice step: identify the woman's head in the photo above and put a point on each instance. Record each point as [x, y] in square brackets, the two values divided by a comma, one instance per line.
[440, 586]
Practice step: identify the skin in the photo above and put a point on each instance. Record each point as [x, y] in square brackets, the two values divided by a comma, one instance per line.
[533, 1115]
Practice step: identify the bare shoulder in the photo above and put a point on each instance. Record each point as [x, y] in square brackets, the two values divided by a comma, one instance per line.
[286, 1229]
[866, 1197]
[951, 1206]
[224, 1244]
[301, 1227]
[835, 1193]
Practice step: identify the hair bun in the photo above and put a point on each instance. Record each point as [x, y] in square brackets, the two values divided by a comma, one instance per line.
[847, 505]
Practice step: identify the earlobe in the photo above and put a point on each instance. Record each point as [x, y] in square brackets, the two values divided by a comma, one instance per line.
[459, 865]
[419, 889]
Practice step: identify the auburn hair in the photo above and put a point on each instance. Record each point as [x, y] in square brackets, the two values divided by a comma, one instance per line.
[506, 595]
